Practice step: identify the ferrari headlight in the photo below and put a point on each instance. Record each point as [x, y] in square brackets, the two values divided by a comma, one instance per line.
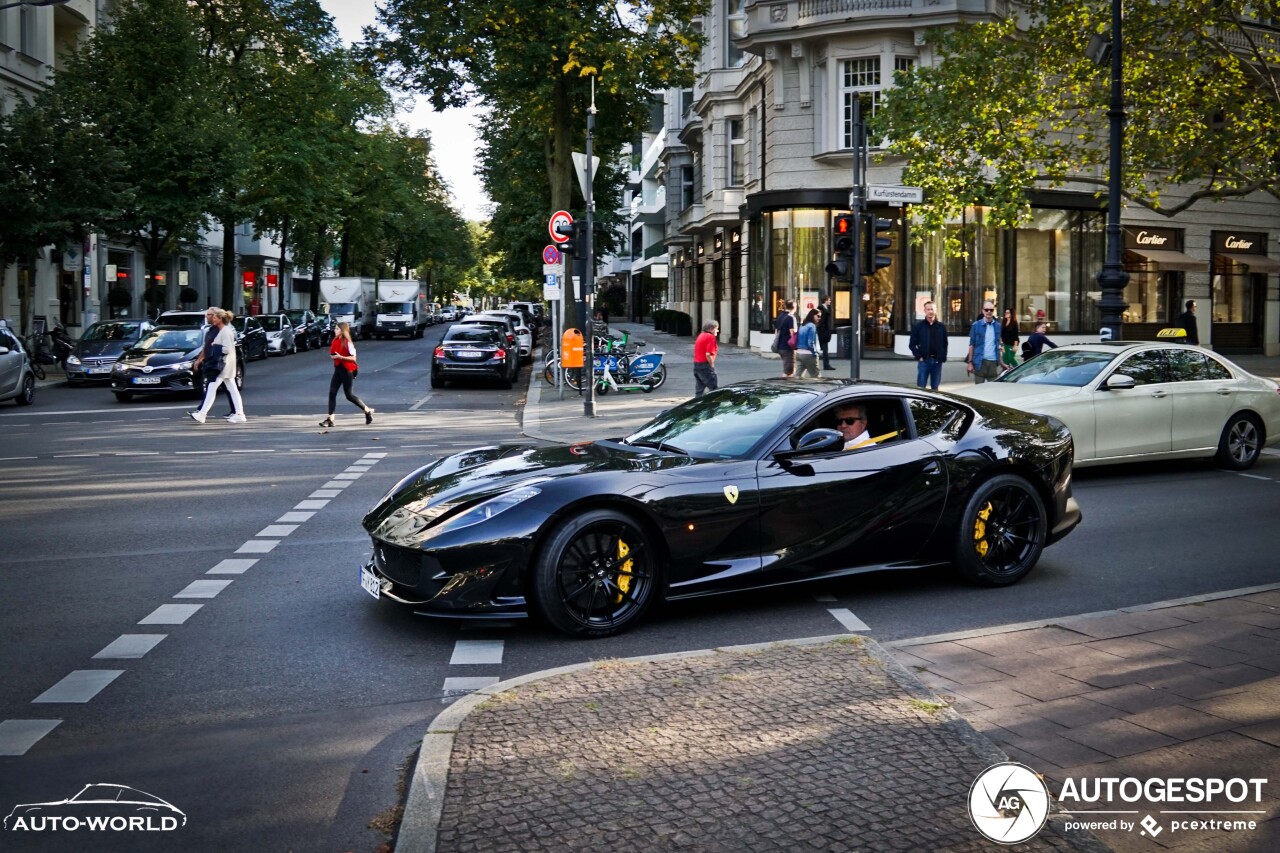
[483, 511]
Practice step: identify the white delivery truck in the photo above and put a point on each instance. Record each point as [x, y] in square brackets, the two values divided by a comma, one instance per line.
[349, 300]
[401, 309]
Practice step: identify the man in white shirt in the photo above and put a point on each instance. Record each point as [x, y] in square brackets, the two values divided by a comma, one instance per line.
[851, 421]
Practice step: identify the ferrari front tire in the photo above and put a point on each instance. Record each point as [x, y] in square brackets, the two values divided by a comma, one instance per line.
[1002, 532]
[596, 575]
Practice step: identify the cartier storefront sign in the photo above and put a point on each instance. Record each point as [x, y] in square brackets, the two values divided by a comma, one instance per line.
[1240, 242]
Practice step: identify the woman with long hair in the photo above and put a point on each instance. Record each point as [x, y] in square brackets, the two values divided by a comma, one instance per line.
[343, 353]
[225, 341]
[1008, 340]
[807, 345]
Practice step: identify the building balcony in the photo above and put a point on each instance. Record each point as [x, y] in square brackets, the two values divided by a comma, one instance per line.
[774, 21]
[653, 155]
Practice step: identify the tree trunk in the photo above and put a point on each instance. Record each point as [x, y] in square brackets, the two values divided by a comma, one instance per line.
[229, 266]
[344, 252]
[317, 264]
[284, 244]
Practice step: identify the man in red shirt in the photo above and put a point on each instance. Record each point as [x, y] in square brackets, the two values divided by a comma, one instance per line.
[704, 358]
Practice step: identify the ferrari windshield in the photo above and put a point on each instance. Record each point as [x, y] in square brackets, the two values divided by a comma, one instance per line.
[1073, 368]
[725, 423]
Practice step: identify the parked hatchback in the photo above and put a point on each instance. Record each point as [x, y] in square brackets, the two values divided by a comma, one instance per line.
[17, 382]
[100, 348]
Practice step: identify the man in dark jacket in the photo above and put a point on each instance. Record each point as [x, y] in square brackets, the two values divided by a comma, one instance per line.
[1187, 320]
[929, 346]
[826, 326]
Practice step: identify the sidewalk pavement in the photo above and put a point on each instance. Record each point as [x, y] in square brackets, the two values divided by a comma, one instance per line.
[841, 743]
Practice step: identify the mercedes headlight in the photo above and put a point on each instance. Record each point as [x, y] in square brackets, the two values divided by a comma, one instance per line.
[483, 511]
[71, 359]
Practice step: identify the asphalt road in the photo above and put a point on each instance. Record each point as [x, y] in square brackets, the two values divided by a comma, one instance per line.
[279, 701]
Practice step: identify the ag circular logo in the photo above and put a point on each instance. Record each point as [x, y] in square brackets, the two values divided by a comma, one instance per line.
[1008, 803]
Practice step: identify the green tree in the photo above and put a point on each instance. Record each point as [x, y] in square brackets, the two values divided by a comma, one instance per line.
[1013, 108]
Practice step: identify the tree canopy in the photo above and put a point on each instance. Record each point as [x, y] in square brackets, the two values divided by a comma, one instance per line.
[1016, 105]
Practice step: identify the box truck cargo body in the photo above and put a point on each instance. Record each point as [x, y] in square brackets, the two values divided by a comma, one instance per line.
[401, 309]
[349, 300]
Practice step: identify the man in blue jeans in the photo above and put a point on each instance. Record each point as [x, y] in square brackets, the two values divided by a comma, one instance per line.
[929, 346]
[983, 360]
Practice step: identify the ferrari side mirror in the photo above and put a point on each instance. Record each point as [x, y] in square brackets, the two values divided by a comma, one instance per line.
[813, 443]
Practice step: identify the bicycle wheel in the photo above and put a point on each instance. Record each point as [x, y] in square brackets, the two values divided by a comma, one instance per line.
[38, 369]
[659, 376]
[573, 377]
[549, 372]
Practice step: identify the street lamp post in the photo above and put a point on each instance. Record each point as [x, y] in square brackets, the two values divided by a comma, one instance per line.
[1112, 278]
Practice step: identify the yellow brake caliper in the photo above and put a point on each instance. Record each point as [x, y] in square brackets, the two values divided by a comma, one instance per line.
[624, 571]
[981, 545]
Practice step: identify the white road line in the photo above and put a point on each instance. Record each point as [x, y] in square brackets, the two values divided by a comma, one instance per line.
[825, 598]
[359, 468]
[258, 546]
[850, 622]
[170, 614]
[195, 452]
[129, 646]
[17, 736]
[410, 446]
[476, 651]
[454, 687]
[15, 459]
[76, 455]
[80, 686]
[419, 404]
[347, 476]
[203, 589]
[313, 504]
[138, 453]
[95, 411]
[231, 567]
[253, 451]
[337, 484]
[325, 493]
[1250, 476]
[375, 456]
[276, 531]
[296, 450]
[295, 517]
[60, 423]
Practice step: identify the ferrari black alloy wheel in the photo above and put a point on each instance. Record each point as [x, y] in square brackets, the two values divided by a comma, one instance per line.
[1002, 532]
[1241, 442]
[596, 574]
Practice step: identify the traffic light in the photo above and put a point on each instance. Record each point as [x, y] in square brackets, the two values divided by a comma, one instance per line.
[570, 230]
[843, 231]
[871, 261]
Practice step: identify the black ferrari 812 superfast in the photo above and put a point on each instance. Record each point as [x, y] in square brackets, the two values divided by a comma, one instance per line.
[745, 487]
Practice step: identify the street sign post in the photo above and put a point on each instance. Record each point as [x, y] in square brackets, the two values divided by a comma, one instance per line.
[550, 255]
[896, 195]
[560, 217]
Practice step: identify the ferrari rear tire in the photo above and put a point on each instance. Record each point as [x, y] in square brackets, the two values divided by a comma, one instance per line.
[1002, 532]
[596, 576]
[1241, 442]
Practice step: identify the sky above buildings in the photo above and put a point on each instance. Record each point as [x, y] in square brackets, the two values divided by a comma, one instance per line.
[452, 131]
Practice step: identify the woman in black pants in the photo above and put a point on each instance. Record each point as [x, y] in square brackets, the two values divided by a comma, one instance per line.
[343, 353]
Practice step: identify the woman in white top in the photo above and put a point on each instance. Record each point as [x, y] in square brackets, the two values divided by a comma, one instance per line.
[226, 341]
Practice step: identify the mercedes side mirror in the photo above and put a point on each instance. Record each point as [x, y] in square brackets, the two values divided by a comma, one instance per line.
[1121, 382]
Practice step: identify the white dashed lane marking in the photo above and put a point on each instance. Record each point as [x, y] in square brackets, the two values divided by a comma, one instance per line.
[294, 518]
[850, 622]
[258, 546]
[313, 504]
[276, 530]
[325, 493]
[78, 687]
[336, 484]
[477, 652]
[171, 614]
[231, 567]
[203, 589]
[130, 646]
[17, 736]
[347, 476]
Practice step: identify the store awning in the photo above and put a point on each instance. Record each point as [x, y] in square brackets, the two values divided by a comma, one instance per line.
[1255, 263]
[1167, 259]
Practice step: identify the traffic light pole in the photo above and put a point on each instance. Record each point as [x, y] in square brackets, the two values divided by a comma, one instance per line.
[589, 274]
[858, 206]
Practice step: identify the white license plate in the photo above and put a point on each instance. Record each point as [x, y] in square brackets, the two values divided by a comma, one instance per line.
[371, 583]
[469, 353]
[99, 370]
[146, 380]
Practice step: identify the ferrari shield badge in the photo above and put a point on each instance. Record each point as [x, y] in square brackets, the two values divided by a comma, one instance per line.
[731, 493]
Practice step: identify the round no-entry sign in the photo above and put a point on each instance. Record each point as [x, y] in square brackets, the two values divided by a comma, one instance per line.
[560, 217]
[550, 255]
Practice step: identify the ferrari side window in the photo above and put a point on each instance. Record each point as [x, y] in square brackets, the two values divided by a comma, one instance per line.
[1145, 367]
[932, 416]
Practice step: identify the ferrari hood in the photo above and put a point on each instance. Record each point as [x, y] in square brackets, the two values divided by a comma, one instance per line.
[474, 475]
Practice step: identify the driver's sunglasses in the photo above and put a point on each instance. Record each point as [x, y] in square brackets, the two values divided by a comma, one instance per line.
[848, 421]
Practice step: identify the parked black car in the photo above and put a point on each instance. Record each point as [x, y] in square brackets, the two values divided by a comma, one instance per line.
[326, 324]
[306, 327]
[250, 336]
[474, 352]
[746, 487]
[161, 362]
[100, 347]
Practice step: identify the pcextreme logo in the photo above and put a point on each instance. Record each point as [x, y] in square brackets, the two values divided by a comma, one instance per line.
[101, 807]
[1010, 802]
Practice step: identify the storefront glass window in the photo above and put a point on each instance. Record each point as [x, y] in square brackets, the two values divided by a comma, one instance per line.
[1232, 292]
[956, 283]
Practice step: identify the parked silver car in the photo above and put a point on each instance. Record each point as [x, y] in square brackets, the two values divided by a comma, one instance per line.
[17, 382]
[100, 346]
[281, 339]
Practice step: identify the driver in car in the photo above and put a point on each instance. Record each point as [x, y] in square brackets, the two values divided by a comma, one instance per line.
[851, 421]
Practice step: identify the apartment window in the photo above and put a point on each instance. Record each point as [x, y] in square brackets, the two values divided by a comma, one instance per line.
[686, 187]
[860, 78]
[737, 153]
[27, 30]
[686, 101]
[905, 64]
[735, 27]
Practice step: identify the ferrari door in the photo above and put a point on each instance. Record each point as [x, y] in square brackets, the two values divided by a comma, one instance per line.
[1134, 421]
[829, 514]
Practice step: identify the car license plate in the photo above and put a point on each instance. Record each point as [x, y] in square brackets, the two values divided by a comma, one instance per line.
[370, 582]
[146, 380]
[469, 353]
[99, 370]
